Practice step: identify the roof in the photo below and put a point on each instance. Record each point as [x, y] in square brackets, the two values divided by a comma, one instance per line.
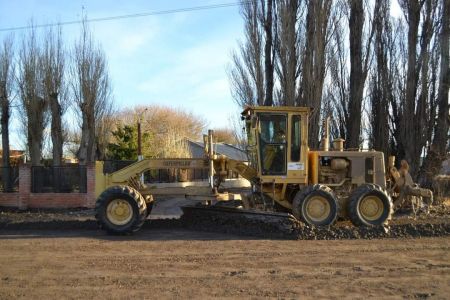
[228, 150]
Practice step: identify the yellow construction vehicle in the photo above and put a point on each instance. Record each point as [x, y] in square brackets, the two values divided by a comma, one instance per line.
[316, 186]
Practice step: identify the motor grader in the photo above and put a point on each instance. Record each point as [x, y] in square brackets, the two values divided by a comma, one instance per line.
[315, 186]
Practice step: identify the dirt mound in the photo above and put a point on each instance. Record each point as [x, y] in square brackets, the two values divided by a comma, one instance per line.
[297, 230]
[436, 224]
[393, 231]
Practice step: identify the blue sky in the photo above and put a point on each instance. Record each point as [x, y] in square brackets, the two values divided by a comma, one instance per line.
[174, 59]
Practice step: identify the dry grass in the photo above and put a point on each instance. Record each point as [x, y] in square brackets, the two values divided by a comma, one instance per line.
[441, 187]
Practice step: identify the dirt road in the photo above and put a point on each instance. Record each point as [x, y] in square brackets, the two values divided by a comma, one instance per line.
[178, 263]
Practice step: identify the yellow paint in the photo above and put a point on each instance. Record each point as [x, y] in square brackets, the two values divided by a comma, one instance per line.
[371, 208]
[317, 208]
[100, 179]
[119, 212]
[313, 158]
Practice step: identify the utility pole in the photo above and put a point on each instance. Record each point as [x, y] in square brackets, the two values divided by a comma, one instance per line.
[139, 149]
[139, 141]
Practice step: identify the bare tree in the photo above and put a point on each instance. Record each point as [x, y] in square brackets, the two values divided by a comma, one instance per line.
[414, 113]
[6, 86]
[104, 128]
[53, 64]
[247, 72]
[412, 13]
[336, 99]
[165, 129]
[238, 128]
[441, 137]
[266, 16]
[437, 153]
[397, 56]
[287, 50]
[314, 63]
[424, 100]
[359, 67]
[33, 102]
[91, 90]
[225, 135]
[381, 84]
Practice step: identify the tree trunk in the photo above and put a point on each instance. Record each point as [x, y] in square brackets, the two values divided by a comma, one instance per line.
[87, 151]
[287, 51]
[268, 59]
[357, 75]
[441, 132]
[56, 130]
[35, 148]
[7, 185]
[382, 86]
[407, 119]
[36, 125]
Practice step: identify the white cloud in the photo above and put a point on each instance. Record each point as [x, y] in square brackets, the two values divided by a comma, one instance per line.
[129, 44]
[124, 39]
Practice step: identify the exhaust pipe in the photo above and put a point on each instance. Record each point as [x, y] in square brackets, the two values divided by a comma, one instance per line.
[326, 139]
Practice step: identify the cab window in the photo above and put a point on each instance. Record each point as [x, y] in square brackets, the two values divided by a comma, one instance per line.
[296, 135]
[272, 137]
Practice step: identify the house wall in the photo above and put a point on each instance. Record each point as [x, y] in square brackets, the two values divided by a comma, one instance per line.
[25, 199]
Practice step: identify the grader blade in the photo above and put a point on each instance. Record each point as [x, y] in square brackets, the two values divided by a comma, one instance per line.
[240, 221]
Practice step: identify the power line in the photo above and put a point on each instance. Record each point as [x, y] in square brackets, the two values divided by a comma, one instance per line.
[137, 15]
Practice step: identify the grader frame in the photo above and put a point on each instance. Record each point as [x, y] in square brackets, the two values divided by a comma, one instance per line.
[316, 186]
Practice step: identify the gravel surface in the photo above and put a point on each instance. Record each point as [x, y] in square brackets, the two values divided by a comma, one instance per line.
[437, 223]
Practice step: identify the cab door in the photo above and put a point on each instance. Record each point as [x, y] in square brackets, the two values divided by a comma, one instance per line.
[272, 143]
[297, 148]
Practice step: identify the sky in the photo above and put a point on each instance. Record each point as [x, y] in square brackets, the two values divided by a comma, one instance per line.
[178, 59]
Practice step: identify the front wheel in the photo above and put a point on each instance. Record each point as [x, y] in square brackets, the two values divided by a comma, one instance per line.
[370, 205]
[316, 205]
[120, 210]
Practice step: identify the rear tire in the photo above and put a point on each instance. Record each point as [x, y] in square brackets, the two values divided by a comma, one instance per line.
[370, 205]
[316, 205]
[120, 210]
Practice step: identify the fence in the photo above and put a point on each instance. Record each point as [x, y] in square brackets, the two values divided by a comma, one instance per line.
[9, 179]
[64, 179]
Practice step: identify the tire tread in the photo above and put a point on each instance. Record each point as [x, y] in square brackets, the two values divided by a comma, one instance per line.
[300, 197]
[358, 194]
[125, 192]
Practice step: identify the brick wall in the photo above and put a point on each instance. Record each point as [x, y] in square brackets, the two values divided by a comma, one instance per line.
[25, 199]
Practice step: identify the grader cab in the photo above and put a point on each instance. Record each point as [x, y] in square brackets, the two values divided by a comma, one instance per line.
[316, 186]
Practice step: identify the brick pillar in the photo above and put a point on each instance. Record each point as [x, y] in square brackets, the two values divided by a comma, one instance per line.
[24, 185]
[90, 178]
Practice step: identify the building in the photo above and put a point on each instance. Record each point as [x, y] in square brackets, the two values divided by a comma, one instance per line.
[233, 152]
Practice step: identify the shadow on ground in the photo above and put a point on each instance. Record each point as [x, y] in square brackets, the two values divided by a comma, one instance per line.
[154, 230]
